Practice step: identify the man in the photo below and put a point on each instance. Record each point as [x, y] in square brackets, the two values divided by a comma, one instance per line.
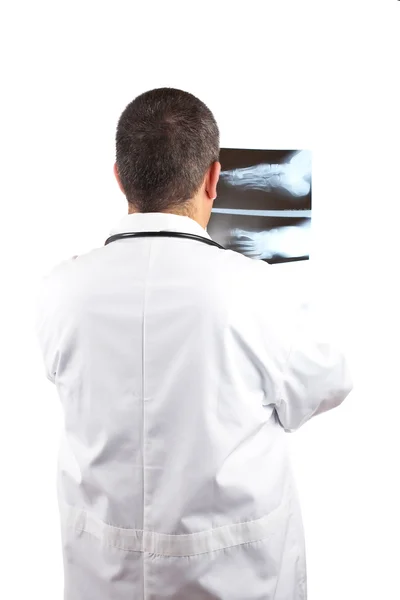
[180, 366]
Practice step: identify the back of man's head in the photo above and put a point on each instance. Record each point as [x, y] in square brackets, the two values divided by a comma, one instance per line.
[166, 140]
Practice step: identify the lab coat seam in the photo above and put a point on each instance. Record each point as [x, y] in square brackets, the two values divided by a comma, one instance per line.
[143, 407]
[244, 543]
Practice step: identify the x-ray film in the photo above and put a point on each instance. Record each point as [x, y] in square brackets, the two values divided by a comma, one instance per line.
[263, 204]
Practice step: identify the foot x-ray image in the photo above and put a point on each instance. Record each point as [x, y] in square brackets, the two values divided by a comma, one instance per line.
[263, 204]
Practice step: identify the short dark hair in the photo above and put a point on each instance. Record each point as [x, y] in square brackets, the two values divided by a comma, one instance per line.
[166, 140]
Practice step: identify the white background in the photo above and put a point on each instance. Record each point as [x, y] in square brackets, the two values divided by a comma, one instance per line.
[283, 75]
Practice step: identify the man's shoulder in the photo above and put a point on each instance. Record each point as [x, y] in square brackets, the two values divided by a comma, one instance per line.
[247, 272]
[61, 279]
[246, 264]
[67, 266]
[278, 287]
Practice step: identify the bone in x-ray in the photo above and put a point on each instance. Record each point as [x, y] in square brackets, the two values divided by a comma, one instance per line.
[293, 176]
[293, 240]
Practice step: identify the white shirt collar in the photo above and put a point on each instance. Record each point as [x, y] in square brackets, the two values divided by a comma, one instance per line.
[158, 222]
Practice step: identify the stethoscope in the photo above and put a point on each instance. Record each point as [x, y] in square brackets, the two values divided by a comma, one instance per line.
[176, 234]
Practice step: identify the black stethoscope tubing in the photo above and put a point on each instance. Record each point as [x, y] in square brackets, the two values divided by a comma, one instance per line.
[176, 234]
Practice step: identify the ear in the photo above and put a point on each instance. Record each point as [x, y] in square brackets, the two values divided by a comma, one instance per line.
[118, 179]
[212, 180]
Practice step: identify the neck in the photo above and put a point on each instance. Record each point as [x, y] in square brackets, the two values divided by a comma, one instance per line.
[185, 211]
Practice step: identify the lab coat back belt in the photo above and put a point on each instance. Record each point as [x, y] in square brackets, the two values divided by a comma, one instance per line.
[137, 540]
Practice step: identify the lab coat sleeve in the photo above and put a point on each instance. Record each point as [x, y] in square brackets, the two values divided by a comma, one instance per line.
[49, 306]
[315, 376]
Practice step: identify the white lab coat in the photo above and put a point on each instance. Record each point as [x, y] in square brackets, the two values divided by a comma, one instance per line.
[179, 367]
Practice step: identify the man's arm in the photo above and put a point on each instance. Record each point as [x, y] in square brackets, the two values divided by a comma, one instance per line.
[44, 327]
[49, 302]
[316, 379]
[303, 343]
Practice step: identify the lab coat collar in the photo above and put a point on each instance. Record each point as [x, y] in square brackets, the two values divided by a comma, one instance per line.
[158, 222]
